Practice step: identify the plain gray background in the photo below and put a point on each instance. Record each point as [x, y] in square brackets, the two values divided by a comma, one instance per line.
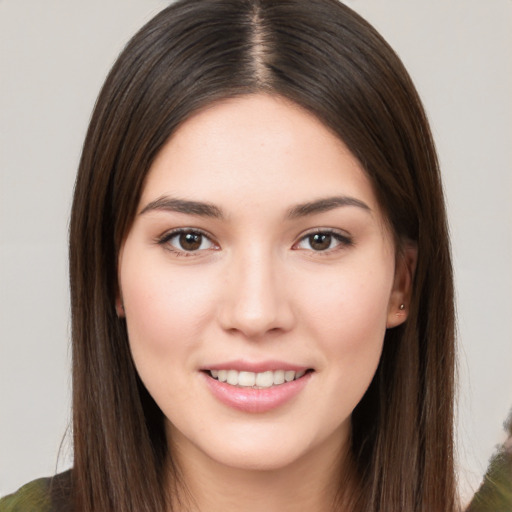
[54, 56]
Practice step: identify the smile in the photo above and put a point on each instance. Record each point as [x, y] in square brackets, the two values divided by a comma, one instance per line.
[256, 391]
[261, 380]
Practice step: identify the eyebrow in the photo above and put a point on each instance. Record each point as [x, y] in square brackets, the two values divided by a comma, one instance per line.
[324, 205]
[203, 209]
[172, 204]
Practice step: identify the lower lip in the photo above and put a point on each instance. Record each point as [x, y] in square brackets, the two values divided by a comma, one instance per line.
[256, 400]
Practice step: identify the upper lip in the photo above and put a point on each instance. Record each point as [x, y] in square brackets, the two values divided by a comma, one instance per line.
[256, 366]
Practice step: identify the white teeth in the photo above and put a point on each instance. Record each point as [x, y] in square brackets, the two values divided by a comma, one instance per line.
[247, 379]
[279, 377]
[257, 380]
[289, 375]
[232, 377]
[265, 379]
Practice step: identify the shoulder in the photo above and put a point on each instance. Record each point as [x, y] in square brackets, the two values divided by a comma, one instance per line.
[32, 497]
[41, 495]
[495, 493]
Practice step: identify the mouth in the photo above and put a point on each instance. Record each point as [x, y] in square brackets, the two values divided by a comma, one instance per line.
[256, 380]
[256, 387]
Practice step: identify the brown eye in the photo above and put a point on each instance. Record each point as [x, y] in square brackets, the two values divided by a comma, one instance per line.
[320, 241]
[186, 241]
[190, 241]
[324, 241]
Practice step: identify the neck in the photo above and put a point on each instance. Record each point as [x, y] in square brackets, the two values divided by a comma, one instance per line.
[312, 482]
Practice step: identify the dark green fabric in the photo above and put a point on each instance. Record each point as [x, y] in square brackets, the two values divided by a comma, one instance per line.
[495, 494]
[32, 497]
[54, 494]
[42, 495]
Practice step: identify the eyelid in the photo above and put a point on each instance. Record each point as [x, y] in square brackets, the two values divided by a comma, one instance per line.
[343, 238]
[168, 235]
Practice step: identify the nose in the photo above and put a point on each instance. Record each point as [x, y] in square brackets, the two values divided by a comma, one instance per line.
[255, 299]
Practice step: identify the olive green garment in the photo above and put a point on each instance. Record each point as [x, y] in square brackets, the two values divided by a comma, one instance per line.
[42, 495]
[32, 497]
[495, 493]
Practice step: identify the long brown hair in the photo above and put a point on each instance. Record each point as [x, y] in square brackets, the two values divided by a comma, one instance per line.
[324, 57]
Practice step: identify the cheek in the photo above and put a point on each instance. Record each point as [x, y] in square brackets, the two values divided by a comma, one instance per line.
[348, 316]
[352, 301]
[166, 313]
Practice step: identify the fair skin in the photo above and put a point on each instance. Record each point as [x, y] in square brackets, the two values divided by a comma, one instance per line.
[259, 247]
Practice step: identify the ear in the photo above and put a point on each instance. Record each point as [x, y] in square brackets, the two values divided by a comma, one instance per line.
[119, 306]
[400, 297]
[119, 294]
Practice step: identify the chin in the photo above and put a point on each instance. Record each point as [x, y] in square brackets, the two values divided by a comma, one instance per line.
[259, 458]
[268, 448]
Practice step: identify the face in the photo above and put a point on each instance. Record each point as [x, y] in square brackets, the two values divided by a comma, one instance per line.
[257, 281]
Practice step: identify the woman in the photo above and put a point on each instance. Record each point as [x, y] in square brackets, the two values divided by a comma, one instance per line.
[260, 275]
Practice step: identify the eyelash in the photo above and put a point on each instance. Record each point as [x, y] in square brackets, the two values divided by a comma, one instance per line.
[342, 240]
[167, 237]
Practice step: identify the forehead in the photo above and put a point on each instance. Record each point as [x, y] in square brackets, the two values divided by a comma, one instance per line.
[256, 150]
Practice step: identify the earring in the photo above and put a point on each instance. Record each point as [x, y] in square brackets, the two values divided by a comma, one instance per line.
[402, 307]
